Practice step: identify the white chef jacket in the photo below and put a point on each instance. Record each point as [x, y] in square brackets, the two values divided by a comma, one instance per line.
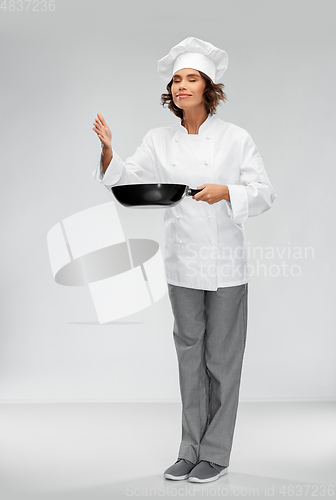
[204, 245]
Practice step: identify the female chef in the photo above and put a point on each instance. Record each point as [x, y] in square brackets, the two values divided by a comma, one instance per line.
[204, 245]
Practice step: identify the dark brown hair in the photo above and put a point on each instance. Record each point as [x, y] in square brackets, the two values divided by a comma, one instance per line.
[213, 94]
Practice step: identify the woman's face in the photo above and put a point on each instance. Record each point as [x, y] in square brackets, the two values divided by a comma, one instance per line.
[187, 88]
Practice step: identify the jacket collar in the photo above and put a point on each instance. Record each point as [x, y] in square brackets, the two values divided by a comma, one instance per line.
[203, 128]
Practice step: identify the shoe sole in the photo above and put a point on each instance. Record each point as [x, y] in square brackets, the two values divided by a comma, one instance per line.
[208, 480]
[176, 478]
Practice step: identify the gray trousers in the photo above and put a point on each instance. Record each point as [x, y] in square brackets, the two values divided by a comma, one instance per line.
[210, 334]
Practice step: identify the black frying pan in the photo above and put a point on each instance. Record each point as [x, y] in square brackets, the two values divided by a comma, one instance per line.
[152, 195]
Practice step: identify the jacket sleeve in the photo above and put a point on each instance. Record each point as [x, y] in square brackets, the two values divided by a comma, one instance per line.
[139, 168]
[255, 194]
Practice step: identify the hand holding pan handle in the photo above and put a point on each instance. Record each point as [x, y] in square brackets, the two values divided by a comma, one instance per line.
[192, 192]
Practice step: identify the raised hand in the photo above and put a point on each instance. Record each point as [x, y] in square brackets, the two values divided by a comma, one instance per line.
[103, 131]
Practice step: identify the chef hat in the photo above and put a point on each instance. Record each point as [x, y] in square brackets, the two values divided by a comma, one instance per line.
[197, 54]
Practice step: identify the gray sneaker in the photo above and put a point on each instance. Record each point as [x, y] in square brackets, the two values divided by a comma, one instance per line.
[204, 472]
[179, 470]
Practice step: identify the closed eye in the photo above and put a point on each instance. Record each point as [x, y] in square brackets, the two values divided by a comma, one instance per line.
[178, 81]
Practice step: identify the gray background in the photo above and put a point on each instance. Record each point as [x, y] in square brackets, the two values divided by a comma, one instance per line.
[58, 69]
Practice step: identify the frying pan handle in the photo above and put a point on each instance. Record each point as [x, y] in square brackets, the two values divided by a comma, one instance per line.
[192, 192]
